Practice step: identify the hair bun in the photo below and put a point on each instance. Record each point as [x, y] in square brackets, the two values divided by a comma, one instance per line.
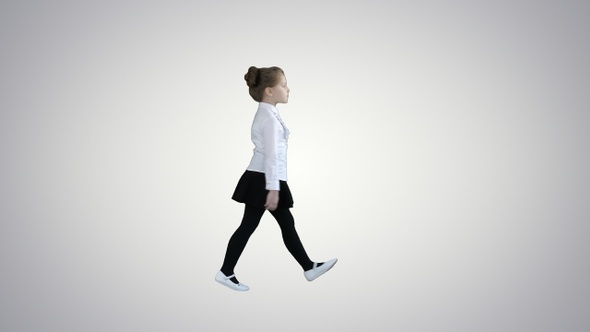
[251, 76]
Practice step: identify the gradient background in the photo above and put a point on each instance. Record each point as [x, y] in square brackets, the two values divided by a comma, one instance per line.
[439, 149]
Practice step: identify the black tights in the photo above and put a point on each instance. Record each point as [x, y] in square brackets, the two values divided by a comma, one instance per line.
[250, 221]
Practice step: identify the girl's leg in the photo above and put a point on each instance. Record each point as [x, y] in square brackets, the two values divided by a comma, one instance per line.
[291, 238]
[240, 238]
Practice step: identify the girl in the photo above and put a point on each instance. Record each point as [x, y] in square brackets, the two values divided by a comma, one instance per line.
[263, 186]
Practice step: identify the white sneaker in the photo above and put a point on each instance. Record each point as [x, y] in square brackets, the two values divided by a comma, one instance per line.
[317, 271]
[222, 279]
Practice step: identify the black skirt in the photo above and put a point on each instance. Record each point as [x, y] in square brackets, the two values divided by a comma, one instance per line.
[251, 190]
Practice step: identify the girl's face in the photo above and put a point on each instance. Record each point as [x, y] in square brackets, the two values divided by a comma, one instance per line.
[278, 93]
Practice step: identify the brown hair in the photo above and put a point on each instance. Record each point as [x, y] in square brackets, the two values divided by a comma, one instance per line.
[259, 79]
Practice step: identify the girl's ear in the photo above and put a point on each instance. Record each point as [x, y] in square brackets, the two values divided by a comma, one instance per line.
[268, 91]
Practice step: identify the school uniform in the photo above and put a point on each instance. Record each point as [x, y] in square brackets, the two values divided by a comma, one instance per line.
[267, 171]
[268, 167]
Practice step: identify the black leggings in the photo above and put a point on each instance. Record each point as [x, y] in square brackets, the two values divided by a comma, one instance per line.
[250, 221]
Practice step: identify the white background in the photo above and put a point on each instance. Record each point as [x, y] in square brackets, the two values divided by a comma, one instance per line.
[439, 149]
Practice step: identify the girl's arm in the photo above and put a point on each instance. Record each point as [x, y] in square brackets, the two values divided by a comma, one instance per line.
[270, 139]
[270, 132]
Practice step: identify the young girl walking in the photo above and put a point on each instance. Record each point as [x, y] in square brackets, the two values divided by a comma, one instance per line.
[263, 186]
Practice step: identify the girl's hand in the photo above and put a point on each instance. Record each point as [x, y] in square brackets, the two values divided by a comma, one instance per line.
[272, 200]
